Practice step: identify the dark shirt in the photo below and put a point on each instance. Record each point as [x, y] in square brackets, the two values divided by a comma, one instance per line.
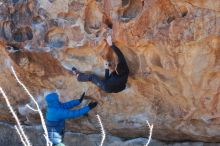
[114, 82]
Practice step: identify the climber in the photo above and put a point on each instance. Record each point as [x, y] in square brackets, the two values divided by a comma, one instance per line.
[57, 112]
[115, 81]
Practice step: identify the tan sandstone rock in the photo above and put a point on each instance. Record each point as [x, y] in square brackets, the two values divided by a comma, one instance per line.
[172, 48]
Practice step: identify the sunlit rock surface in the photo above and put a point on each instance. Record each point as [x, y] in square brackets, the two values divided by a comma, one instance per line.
[172, 48]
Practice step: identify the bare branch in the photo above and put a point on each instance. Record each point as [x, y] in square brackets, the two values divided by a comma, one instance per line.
[16, 118]
[31, 108]
[35, 102]
[102, 130]
[19, 133]
[150, 134]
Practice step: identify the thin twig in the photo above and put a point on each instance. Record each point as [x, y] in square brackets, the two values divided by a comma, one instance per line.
[20, 135]
[102, 130]
[16, 118]
[38, 108]
[150, 133]
[31, 108]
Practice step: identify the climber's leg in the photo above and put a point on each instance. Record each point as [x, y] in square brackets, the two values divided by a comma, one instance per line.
[60, 144]
[55, 137]
[62, 134]
[82, 77]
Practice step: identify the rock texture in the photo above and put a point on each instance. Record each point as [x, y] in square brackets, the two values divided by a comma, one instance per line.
[78, 139]
[172, 48]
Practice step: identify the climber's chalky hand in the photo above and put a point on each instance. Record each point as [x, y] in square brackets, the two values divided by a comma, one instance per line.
[109, 40]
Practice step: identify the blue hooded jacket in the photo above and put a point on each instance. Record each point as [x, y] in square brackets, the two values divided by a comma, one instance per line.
[57, 112]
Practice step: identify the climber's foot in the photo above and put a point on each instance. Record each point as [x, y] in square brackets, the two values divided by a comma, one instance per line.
[75, 71]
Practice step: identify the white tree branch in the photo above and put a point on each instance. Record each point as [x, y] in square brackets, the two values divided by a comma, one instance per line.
[102, 130]
[38, 108]
[19, 133]
[150, 133]
[31, 108]
[16, 118]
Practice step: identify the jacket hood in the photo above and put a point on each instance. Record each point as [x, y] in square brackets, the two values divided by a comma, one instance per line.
[52, 99]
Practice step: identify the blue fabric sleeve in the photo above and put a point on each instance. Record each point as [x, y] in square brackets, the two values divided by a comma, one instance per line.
[67, 114]
[70, 104]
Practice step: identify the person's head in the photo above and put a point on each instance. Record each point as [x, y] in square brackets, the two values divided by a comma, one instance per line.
[52, 99]
[111, 65]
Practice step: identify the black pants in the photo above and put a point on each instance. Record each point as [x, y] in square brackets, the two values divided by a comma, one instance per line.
[94, 79]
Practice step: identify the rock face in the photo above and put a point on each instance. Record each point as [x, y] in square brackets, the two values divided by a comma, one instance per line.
[78, 139]
[172, 48]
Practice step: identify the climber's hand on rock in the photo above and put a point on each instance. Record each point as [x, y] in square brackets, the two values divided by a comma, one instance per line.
[92, 105]
[82, 97]
[109, 40]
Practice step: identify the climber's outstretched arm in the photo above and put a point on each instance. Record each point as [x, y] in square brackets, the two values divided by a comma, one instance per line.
[67, 114]
[119, 54]
[71, 104]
